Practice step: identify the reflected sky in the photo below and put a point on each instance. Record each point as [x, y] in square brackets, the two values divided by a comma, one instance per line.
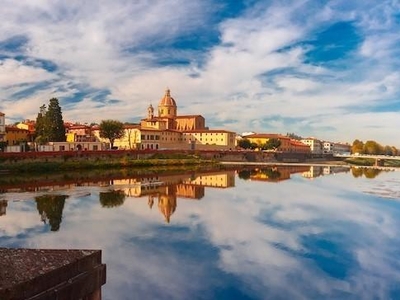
[292, 232]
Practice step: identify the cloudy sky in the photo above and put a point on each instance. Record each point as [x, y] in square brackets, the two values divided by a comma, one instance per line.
[327, 68]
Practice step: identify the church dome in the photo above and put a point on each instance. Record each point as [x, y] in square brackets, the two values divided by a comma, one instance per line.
[167, 100]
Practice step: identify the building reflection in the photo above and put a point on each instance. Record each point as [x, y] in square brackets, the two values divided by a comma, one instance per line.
[316, 171]
[271, 174]
[166, 190]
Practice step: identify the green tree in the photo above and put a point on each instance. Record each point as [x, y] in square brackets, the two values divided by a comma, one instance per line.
[372, 147]
[395, 151]
[40, 135]
[55, 129]
[244, 143]
[388, 150]
[271, 144]
[294, 136]
[49, 123]
[111, 130]
[357, 147]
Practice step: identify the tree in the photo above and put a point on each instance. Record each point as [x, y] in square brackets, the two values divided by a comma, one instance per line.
[294, 136]
[372, 147]
[111, 130]
[272, 144]
[388, 150]
[40, 136]
[49, 123]
[395, 151]
[244, 143]
[54, 122]
[358, 147]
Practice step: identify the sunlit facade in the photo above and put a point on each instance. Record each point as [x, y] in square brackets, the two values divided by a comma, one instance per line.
[2, 127]
[168, 130]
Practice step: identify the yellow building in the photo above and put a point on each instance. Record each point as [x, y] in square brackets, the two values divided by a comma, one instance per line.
[167, 130]
[15, 135]
[262, 138]
[221, 180]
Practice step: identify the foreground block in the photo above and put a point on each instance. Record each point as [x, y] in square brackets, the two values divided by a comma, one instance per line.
[37, 274]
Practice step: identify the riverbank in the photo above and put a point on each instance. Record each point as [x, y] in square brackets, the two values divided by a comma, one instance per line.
[55, 166]
[55, 162]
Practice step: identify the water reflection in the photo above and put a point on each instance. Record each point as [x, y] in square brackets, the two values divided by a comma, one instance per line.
[50, 208]
[366, 172]
[111, 199]
[262, 233]
[3, 207]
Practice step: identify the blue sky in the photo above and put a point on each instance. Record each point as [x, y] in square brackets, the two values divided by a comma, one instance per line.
[328, 69]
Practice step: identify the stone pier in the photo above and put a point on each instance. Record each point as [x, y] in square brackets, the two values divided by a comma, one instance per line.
[38, 274]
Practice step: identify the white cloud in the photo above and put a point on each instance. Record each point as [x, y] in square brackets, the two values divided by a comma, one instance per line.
[13, 73]
[114, 45]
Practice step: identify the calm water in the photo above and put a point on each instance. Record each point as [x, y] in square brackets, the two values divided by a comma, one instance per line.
[286, 233]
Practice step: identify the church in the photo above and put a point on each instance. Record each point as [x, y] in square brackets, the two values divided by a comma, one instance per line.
[168, 130]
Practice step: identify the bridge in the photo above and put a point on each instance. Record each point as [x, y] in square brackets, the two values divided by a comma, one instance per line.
[379, 159]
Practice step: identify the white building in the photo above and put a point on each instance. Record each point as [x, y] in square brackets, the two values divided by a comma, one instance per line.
[316, 146]
[328, 147]
[341, 148]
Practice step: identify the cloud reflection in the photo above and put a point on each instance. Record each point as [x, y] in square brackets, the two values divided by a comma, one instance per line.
[298, 239]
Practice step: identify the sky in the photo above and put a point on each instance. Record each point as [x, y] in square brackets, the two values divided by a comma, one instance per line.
[327, 69]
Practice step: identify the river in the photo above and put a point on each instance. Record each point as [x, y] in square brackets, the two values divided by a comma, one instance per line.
[287, 232]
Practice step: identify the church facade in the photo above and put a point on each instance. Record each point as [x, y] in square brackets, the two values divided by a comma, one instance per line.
[168, 130]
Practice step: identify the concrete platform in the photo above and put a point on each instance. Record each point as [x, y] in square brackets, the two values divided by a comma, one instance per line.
[38, 274]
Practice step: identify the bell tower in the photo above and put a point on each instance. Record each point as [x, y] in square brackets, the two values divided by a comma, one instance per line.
[150, 112]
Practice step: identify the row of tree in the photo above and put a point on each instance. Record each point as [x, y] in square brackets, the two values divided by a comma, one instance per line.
[372, 147]
[271, 144]
[50, 125]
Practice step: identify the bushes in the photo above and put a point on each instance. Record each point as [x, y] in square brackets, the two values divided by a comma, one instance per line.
[106, 163]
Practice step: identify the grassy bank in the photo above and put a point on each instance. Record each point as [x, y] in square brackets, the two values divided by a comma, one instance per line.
[371, 162]
[32, 166]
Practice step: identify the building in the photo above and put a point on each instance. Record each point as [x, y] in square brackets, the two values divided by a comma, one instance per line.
[168, 130]
[79, 133]
[2, 127]
[299, 147]
[316, 146]
[73, 146]
[262, 138]
[287, 145]
[15, 135]
[336, 148]
[341, 148]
